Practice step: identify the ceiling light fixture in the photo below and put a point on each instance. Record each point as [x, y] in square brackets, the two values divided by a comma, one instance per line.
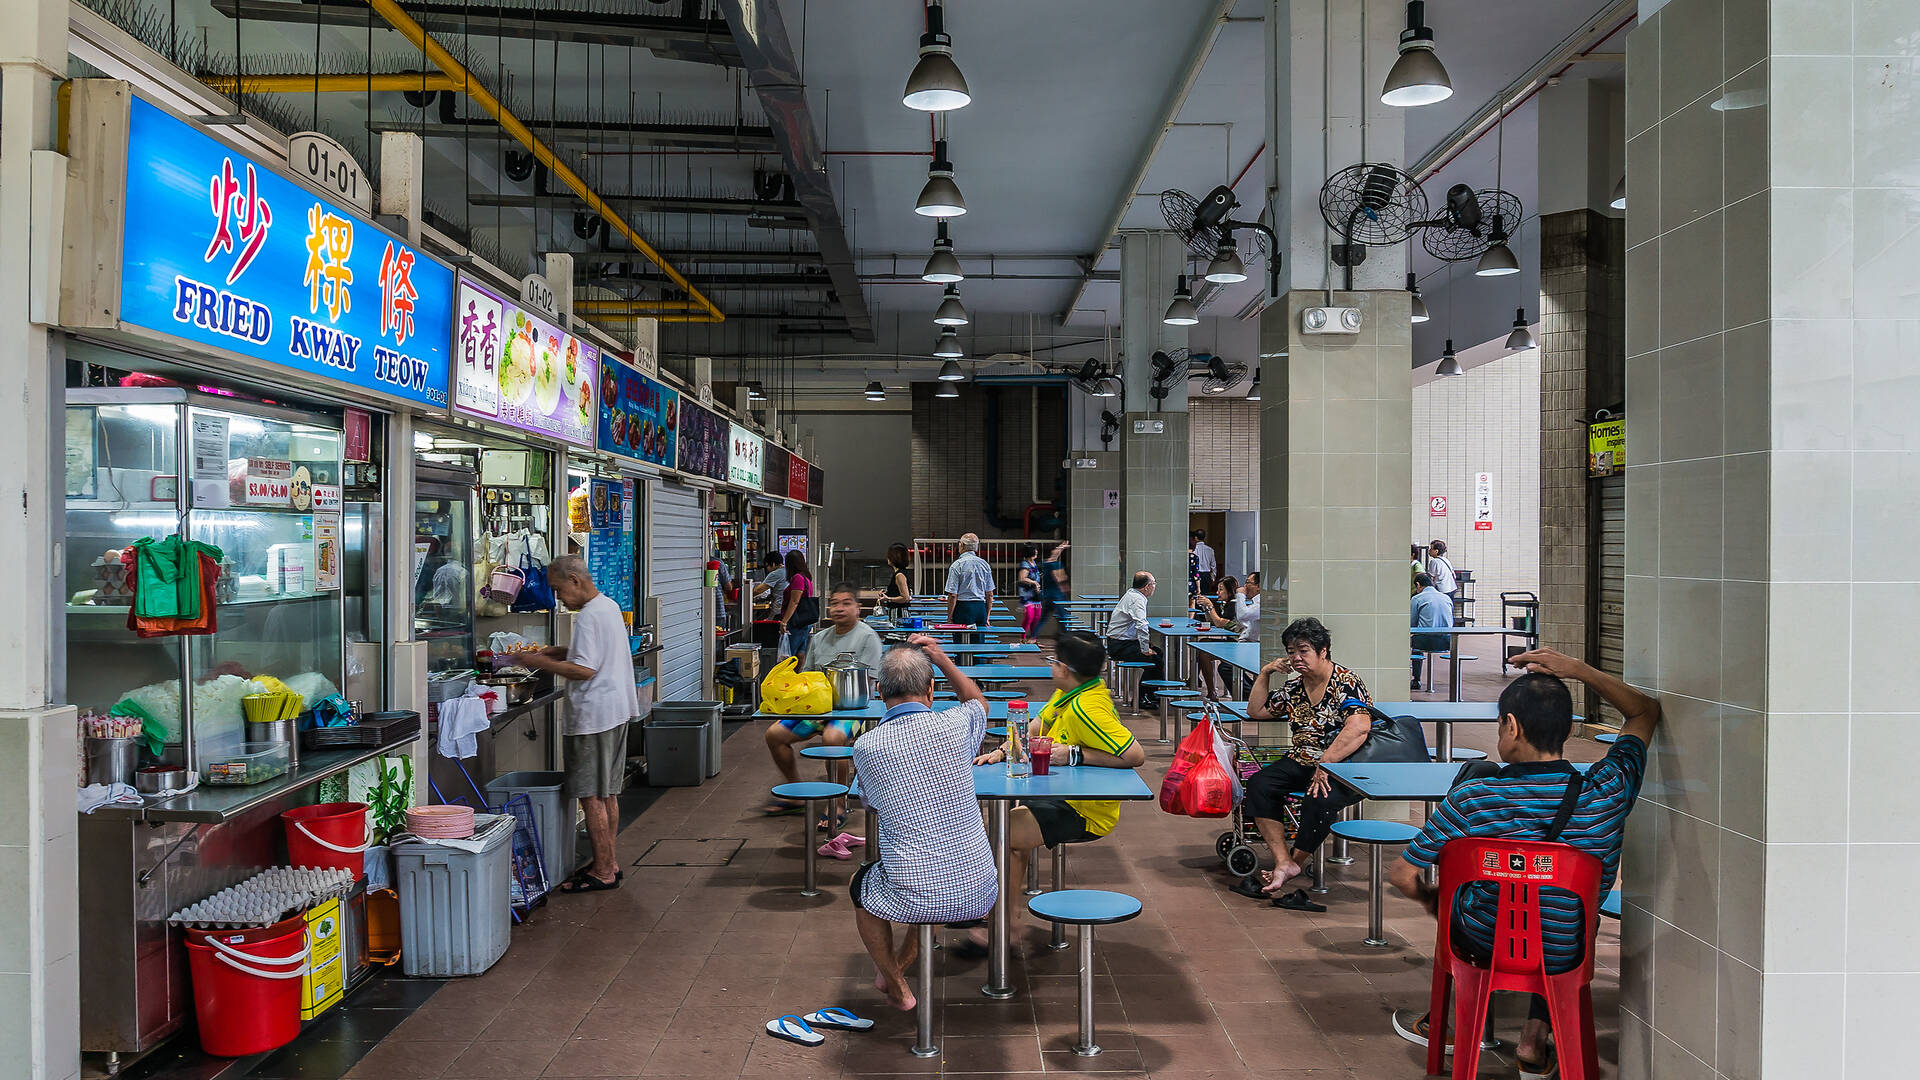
[947, 390]
[942, 267]
[1181, 312]
[1619, 200]
[941, 197]
[1226, 267]
[1253, 392]
[951, 311]
[1499, 260]
[1418, 77]
[950, 372]
[948, 345]
[756, 392]
[1419, 304]
[1449, 364]
[1103, 387]
[876, 392]
[936, 84]
[1521, 338]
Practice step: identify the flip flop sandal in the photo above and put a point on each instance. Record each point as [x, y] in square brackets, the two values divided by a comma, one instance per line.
[1249, 887]
[794, 1030]
[1297, 900]
[833, 849]
[848, 840]
[833, 1016]
[584, 882]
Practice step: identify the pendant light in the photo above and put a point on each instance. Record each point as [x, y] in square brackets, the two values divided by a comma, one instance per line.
[951, 312]
[1103, 387]
[1418, 77]
[1449, 364]
[1619, 200]
[941, 197]
[950, 372]
[1253, 392]
[1419, 303]
[936, 84]
[948, 345]
[1226, 267]
[1181, 312]
[876, 392]
[942, 267]
[1521, 338]
[1498, 260]
[947, 390]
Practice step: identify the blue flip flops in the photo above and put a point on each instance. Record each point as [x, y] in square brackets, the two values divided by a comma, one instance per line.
[833, 1016]
[794, 1030]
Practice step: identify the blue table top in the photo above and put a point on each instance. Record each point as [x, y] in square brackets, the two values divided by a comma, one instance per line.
[826, 751]
[810, 790]
[1185, 628]
[1402, 780]
[1244, 655]
[1427, 712]
[1007, 649]
[1062, 782]
[1004, 674]
[996, 710]
[997, 629]
[1465, 630]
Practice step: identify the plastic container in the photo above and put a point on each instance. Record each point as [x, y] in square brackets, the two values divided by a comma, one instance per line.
[552, 815]
[707, 712]
[455, 912]
[251, 763]
[328, 836]
[247, 986]
[676, 752]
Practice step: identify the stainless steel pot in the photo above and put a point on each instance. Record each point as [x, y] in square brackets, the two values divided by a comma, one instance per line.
[514, 689]
[852, 682]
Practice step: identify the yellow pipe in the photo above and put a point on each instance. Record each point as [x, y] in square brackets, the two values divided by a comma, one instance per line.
[511, 124]
[600, 306]
[329, 84]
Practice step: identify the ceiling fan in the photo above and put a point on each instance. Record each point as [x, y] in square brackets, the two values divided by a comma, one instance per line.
[1207, 229]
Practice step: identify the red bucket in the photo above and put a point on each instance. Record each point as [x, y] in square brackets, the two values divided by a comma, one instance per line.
[329, 836]
[246, 986]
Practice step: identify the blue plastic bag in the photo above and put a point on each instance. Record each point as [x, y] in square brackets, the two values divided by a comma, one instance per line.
[537, 593]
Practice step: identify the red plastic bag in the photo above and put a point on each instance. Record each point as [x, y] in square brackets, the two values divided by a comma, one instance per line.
[1197, 785]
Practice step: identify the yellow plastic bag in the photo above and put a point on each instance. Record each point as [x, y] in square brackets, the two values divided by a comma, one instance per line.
[791, 692]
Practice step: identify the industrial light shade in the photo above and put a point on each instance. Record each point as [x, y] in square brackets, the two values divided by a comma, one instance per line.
[1103, 387]
[1521, 338]
[1498, 261]
[950, 372]
[951, 311]
[1419, 304]
[936, 84]
[876, 392]
[942, 267]
[1226, 267]
[1181, 312]
[1619, 200]
[1418, 77]
[941, 197]
[756, 392]
[947, 390]
[1253, 392]
[1449, 364]
[949, 346]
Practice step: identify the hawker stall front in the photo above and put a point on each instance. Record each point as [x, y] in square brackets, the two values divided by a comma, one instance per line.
[242, 354]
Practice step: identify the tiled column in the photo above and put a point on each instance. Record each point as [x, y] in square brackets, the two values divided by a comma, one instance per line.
[1153, 438]
[1773, 406]
[1336, 411]
[1094, 528]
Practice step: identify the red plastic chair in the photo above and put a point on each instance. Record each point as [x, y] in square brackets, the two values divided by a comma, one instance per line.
[1518, 868]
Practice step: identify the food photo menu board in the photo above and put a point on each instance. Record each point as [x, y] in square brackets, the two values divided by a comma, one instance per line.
[703, 441]
[610, 538]
[515, 368]
[639, 418]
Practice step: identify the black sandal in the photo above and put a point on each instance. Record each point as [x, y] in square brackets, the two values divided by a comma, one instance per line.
[1297, 900]
[1249, 887]
[585, 882]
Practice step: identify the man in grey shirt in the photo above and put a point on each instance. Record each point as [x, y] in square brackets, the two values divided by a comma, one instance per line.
[843, 633]
[969, 585]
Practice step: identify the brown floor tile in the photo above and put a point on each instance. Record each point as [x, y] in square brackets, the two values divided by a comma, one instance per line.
[438, 1022]
[628, 1021]
[991, 1054]
[705, 1058]
[1004, 1018]
[1054, 988]
[757, 993]
[1158, 1052]
[602, 1057]
[504, 1059]
[1113, 1061]
[393, 1060]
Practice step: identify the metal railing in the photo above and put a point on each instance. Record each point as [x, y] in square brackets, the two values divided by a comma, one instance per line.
[931, 557]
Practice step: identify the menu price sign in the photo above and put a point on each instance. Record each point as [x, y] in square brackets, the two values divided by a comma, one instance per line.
[516, 368]
[224, 251]
[639, 418]
[816, 485]
[744, 452]
[796, 478]
[610, 540]
[703, 441]
[774, 470]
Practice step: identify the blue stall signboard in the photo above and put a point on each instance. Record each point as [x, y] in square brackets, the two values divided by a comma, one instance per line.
[224, 251]
[638, 416]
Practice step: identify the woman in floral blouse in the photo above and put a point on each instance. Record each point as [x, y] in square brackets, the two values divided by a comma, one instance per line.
[1325, 705]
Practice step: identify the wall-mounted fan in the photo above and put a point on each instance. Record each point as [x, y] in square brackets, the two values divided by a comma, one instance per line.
[1169, 367]
[1471, 222]
[1220, 375]
[1206, 224]
[1378, 205]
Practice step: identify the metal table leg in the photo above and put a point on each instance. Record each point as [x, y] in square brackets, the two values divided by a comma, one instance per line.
[1166, 704]
[811, 888]
[1059, 939]
[997, 945]
[1376, 930]
[1340, 856]
[1443, 739]
[1086, 1047]
[923, 1009]
[1453, 667]
[1320, 869]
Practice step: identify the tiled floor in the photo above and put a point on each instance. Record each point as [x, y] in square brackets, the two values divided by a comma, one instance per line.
[677, 973]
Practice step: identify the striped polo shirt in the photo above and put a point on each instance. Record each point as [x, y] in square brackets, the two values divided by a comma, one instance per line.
[1520, 804]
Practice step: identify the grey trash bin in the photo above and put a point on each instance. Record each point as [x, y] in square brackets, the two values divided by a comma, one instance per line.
[455, 912]
[552, 816]
[676, 752]
[708, 713]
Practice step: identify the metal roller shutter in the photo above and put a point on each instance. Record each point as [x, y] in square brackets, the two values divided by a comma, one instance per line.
[675, 575]
[1613, 580]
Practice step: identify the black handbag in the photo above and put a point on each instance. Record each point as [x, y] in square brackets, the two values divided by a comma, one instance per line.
[1391, 738]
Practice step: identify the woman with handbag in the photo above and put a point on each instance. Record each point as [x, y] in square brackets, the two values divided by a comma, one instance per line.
[802, 608]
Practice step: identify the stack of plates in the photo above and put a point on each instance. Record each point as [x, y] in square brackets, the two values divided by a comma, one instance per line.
[441, 822]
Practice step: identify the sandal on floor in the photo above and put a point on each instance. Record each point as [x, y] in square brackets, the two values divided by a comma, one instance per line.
[1298, 900]
[794, 1030]
[1250, 887]
[585, 882]
[833, 1016]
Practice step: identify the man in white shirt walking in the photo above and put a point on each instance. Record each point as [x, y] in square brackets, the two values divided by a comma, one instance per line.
[601, 700]
[1205, 562]
[1127, 635]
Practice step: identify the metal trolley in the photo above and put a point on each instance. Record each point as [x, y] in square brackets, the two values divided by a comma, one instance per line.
[1252, 751]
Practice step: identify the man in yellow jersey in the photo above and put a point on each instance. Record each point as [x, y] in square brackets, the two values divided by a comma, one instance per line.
[1085, 729]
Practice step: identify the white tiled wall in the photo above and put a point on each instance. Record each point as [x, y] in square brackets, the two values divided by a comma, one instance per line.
[1487, 420]
[1223, 456]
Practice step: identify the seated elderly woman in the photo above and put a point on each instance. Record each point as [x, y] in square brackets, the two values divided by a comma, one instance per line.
[916, 772]
[1326, 706]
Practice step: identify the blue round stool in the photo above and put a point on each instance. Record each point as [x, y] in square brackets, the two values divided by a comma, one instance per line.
[828, 754]
[1163, 689]
[998, 732]
[1375, 834]
[1460, 753]
[1003, 695]
[1607, 739]
[1085, 909]
[812, 793]
[1610, 904]
[1130, 672]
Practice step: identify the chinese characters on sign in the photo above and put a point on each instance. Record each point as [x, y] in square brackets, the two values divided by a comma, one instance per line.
[329, 246]
[743, 457]
[796, 478]
[522, 370]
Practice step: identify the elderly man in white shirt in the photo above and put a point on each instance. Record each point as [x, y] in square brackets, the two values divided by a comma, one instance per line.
[1127, 635]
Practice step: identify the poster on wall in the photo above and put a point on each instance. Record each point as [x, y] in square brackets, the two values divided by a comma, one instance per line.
[1483, 502]
[796, 478]
[1607, 446]
[223, 251]
[516, 368]
[773, 470]
[610, 538]
[703, 441]
[744, 453]
[639, 418]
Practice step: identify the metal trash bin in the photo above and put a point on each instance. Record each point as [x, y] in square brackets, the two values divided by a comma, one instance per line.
[676, 751]
[706, 712]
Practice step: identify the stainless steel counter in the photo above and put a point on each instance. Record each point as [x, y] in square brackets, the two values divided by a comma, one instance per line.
[209, 805]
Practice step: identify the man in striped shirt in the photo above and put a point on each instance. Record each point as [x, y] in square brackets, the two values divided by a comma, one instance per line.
[1523, 801]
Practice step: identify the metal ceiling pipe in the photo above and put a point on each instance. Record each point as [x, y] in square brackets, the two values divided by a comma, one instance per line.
[329, 84]
[481, 96]
[1189, 73]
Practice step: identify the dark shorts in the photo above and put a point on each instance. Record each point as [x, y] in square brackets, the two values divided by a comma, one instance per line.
[1059, 823]
[853, 887]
